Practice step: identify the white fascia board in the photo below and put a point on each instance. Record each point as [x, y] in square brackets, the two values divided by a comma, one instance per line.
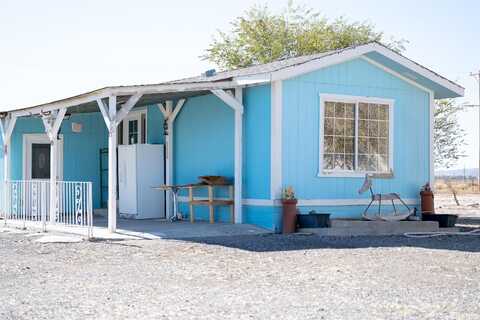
[350, 54]
[254, 79]
[329, 60]
[122, 91]
[392, 55]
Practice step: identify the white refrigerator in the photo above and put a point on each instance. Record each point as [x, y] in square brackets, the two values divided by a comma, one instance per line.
[141, 167]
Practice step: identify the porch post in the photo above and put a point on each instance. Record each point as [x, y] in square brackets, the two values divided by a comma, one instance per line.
[238, 157]
[236, 104]
[112, 119]
[112, 165]
[52, 123]
[169, 156]
[7, 125]
[169, 115]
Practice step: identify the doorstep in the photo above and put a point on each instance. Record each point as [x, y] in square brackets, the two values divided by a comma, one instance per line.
[347, 228]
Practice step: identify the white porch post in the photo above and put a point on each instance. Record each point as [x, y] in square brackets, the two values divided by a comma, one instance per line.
[7, 125]
[112, 118]
[170, 114]
[52, 125]
[112, 165]
[237, 105]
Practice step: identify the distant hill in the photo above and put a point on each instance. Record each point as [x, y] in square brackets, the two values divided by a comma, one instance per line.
[468, 172]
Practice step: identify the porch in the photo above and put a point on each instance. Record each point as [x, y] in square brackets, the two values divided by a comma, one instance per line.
[27, 198]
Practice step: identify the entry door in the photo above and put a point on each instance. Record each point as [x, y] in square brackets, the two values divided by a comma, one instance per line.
[40, 162]
[36, 157]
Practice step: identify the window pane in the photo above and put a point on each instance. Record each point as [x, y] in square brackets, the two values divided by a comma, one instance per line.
[372, 111]
[383, 129]
[349, 162]
[372, 163]
[329, 144]
[328, 161]
[373, 146]
[363, 111]
[350, 128]
[373, 128]
[329, 126]
[349, 145]
[362, 145]
[329, 109]
[339, 145]
[363, 162]
[383, 146]
[383, 112]
[350, 110]
[339, 161]
[339, 127]
[383, 163]
[339, 110]
[363, 128]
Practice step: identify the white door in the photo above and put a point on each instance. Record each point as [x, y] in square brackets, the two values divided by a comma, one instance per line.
[36, 157]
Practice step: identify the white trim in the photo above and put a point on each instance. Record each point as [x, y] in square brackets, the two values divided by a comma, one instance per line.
[104, 110]
[321, 62]
[177, 109]
[359, 51]
[431, 124]
[28, 140]
[238, 185]
[276, 132]
[122, 91]
[356, 100]
[305, 202]
[396, 74]
[254, 79]
[134, 115]
[126, 107]
[418, 69]
[112, 165]
[228, 99]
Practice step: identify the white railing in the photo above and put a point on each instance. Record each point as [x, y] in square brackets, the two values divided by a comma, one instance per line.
[29, 201]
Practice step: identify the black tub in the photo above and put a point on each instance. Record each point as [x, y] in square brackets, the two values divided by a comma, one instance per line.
[444, 220]
[313, 220]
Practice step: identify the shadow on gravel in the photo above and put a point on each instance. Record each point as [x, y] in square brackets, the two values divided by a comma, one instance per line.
[274, 242]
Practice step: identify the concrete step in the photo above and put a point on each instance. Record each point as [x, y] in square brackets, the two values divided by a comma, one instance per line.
[373, 228]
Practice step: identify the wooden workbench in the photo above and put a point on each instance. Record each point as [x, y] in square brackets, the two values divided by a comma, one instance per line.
[211, 201]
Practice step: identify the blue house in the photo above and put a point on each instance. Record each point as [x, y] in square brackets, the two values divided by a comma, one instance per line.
[317, 123]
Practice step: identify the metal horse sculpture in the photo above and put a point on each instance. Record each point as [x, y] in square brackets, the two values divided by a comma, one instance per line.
[379, 197]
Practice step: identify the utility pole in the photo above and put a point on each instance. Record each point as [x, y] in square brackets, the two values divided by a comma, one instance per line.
[477, 77]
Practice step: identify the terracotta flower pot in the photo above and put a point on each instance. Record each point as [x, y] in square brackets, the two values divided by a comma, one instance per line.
[289, 215]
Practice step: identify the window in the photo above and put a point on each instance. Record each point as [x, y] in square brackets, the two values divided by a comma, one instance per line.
[356, 135]
[133, 129]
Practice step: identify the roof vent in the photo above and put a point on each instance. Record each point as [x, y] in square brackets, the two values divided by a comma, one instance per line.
[210, 73]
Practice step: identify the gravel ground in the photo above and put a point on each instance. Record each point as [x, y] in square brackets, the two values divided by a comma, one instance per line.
[248, 277]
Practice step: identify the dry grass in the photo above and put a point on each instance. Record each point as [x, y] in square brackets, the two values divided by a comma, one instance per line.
[461, 186]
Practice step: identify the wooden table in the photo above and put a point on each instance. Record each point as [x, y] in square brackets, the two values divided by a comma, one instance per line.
[211, 201]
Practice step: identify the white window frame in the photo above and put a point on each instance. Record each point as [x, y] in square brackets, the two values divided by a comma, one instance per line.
[356, 100]
[135, 115]
[42, 138]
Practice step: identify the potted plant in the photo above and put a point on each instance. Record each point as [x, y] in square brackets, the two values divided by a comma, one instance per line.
[289, 210]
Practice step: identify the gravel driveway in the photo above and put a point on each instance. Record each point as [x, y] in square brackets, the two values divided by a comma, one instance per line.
[248, 277]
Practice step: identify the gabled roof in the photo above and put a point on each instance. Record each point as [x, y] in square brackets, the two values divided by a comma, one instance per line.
[264, 73]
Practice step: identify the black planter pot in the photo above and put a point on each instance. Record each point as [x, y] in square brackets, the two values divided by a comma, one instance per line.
[444, 220]
[313, 220]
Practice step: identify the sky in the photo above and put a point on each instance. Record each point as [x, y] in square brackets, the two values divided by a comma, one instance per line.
[53, 49]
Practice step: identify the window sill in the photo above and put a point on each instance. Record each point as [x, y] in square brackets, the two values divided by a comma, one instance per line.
[354, 174]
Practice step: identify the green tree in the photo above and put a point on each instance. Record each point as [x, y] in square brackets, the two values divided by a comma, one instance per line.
[448, 135]
[261, 36]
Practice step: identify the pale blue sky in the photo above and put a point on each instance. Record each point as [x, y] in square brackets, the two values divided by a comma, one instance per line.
[52, 49]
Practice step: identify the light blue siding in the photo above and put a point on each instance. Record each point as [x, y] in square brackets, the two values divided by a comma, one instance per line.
[81, 151]
[256, 139]
[301, 100]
